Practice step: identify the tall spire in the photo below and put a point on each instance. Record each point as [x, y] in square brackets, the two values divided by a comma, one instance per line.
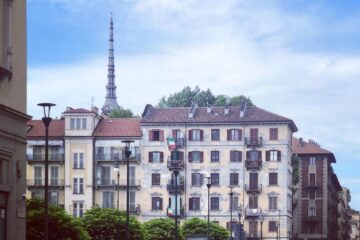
[110, 102]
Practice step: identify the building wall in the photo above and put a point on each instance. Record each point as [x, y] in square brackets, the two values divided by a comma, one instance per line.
[224, 168]
[13, 118]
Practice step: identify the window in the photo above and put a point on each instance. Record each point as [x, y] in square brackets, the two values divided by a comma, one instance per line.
[155, 179]
[54, 175]
[312, 211]
[234, 135]
[272, 203]
[78, 185]
[312, 161]
[156, 203]
[105, 175]
[215, 134]
[72, 123]
[273, 155]
[53, 198]
[177, 155]
[196, 156]
[253, 155]
[108, 200]
[254, 135]
[156, 135]
[215, 179]
[312, 228]
[311, 194]
[253, 201]
[253, 228]
[84, 123]
[196, 135]
[312, 179]
[234, 179]
[273, 178]
[272, 226]
[38, 175]
[235, 203]
[273, 134]
[194, 204]
[214, 203]
[235, 156]
[215, 156]
[196, 179]
[78, 123]
[78, 209]
[176, 133]
[156, 157]
[78, 160]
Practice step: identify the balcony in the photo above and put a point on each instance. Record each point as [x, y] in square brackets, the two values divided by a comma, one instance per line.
[311, 186]
[40, 183]
[253, 142]
[253, 164]
[40, 158]
[170, 212]
[106, 183]
[253, 188]
[112, 158]
[180, 187]
[133, 208]
[175, 165]
[313, 218]
[252, 212]
[175, 143]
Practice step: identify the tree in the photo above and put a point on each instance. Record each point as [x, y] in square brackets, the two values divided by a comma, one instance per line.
[295, 162]
[109, 224]
[121, 113]
[196, 226]
[186, 96]
[160, 229]
[61, 225]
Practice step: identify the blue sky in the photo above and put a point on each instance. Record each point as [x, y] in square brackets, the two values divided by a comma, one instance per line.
[299, 59]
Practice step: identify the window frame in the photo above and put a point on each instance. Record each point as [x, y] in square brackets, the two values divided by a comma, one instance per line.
[156, 177]
[215, 156]
[215, 134]
[273, 181]
[274, 134]
[215, 176]
[214, 205]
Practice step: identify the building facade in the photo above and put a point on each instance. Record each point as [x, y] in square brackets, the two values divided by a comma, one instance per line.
[344, 214]
[316, 200]
[248, 149]
[354, 224]
[13, 119]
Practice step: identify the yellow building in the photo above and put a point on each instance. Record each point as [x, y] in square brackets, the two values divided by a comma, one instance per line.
[246, 148]
[13, 118]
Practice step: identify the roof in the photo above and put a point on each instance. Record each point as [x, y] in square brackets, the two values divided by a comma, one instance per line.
[118, 127]
[252, 114]
[302, 147]
[77, 110]
[36, 128]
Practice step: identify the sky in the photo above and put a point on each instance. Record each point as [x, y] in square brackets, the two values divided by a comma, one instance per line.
[299, 59]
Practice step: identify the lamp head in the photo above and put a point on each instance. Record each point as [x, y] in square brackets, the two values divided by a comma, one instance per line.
[46, 107]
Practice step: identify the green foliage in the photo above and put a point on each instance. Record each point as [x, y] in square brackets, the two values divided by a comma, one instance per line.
[121, 113]
[161, 229]
[62, 226]
[295, 162]
[109, 224]
[196, 226]
[186, 96]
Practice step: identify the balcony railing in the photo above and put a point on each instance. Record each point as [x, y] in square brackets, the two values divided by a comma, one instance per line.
[41, 157]
[253, 142]
[313, 218]
[134, 183]
[102, 157]
[53, 183]
[252, 212]
[255, 188]
[171, 187]
[175, 165]
[170, 212]
[133, 208]
[253, 164]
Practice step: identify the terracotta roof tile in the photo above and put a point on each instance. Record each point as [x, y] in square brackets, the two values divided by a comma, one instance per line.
[36, 128]
[181, 115]
[118, 127]
[77, 110]
[309, 148]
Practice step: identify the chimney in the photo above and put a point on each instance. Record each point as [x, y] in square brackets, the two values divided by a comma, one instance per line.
[226, 110]
[243, 107]
[301, 142]
[68, 108]
[94, 109]
[208, 109]
[192, 109]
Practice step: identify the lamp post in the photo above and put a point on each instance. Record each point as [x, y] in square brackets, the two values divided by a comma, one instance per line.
[240, 209]
[117, 169]
[176, 173]
[231, 207]
[208, 187]
[261, 225]
[46, 120]
[127, 155]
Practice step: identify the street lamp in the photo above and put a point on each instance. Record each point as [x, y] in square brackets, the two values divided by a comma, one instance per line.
[240, 209]
[117, 169]
[46, 120]
[231, 207]
[261, 225]
[208, 187]
[127, 155]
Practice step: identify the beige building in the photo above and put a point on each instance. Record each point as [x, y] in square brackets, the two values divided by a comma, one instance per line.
[248, 149]
[13, 119]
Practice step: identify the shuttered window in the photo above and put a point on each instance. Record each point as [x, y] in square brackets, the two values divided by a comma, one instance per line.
[273, 178]
[215, 179]
[214, 203]
[156, 203]
[234, 179]
[194, 203]
[273, 134]
[155, 179]
[235, 156]
[215, 156]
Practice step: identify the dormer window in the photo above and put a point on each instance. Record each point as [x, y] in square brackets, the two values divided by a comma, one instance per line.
[78, 123]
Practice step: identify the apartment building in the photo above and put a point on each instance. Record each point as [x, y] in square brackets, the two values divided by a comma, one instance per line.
[344, 210]
[13, 119]
[246, 148]
[316, 198]
[35, 155]
[354, 224]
